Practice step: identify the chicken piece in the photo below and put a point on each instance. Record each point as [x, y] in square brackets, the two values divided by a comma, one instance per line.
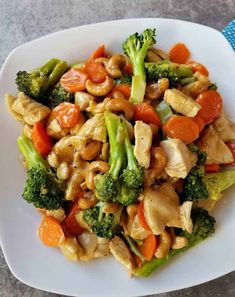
[224, 128]
[71, 249]
[54, 129]
[102, 249]
[93, 129]
[181, 103]
[89, 242]
[217, 151]
[195, 88]
[143, 142]
[63, 150]
[180, 159]
[185, 216]
[121, 252]
[161, 208]
[31, 111]
[137, 231]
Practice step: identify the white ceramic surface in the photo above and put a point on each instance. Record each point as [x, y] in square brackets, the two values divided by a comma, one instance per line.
[46, 268]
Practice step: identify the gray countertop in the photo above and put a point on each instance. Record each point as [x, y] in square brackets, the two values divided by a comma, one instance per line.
[24, 20]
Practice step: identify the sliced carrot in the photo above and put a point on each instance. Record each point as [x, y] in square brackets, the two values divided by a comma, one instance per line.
[179, 53]
[74, 80]
[70, 221]
[198, 67]
[127, 69]
[95, 71]
[124, 89]
[181, 127]
[211, 105]
[42, 142]
[51, 232]
[212, 168]
[99, 52]
[199, 121]
[141, 216]
[67, 114]
[148, 247]
[146, 113]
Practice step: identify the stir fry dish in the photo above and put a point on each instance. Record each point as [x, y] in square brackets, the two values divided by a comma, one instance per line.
[125, 153]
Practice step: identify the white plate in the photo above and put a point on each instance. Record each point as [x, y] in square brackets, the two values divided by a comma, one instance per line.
[46, 268]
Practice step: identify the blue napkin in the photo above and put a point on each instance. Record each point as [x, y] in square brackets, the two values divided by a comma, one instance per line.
[229, 33]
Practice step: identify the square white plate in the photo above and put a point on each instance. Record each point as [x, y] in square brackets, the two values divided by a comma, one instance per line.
[46, 268]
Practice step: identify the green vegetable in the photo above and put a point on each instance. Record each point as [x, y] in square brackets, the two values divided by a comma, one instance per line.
[166, 69]
[123, 182]
[59, 95]
[203, 227]
[107, 186]
[37, 83]
[187, 80]
[133, 248]
[201, 155]
[136, 47]
[164, 111]
[199, 185]
[42, 188]
[213, 87]
[125, 79]
[103, 224]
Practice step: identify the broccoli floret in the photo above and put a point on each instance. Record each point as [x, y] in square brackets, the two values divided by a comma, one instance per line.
[201, 155]
[136, 47]
[203, 227]
[123, 182]
[107, 186]
[42, 188]
[59, 95]
[37, 83]
[166, 69]
[199, 185]
[133, 174]
[125, 79]
[194, 185]
[103, 224]
[216, 183]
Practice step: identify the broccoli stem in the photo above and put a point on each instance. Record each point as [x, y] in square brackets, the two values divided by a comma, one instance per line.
[29, 152]
[131, 160]
[48, 67]
[117, 153]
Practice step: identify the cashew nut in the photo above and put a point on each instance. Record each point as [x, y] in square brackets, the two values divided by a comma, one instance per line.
[118, 94]
[85, 203]
[152, 57]
[101, 89]
[91, 150]
[115, 64]
[93, 169]
[73, 185]
[121, 106]
[155, 91]
[154, 129]
[110, 207]
[179, 242]
[164, 246]
[63, 171]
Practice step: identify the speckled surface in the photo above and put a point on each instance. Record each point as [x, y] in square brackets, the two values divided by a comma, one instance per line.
[24, 20]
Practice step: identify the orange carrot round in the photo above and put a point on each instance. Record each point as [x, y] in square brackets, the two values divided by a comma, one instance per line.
[179, 53]
[51, 232]
[67, 114]
[141, 216]
[42, 142]
[198, 67]
[211, 105]
[146, 113]
[74, 80]
[181, 127]
[199, 121]
[148, 247]
[99, 52]
[95, 71]
[124, 89]
[127, 69]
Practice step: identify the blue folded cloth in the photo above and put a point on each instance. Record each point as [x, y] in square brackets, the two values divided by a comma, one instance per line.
[229, 33]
